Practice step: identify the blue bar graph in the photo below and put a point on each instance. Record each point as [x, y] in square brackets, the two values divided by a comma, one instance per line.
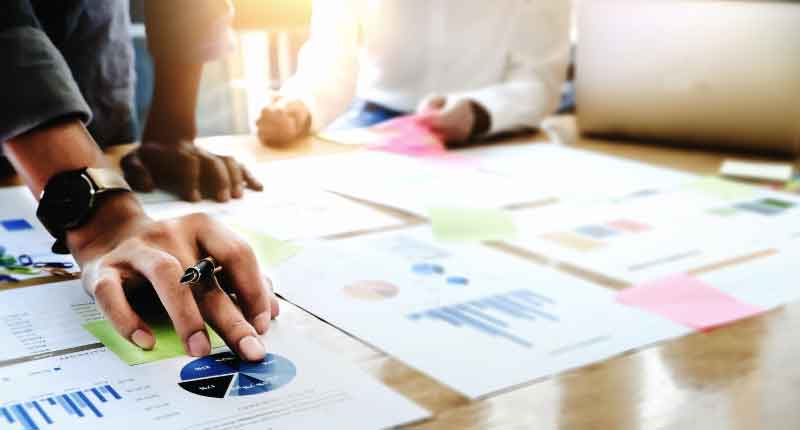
[492, 315]
[49, 411]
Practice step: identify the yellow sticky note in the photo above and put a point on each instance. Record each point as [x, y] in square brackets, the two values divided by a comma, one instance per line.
[724, 189]
[269, 251]
[168, 344]
[471, 224]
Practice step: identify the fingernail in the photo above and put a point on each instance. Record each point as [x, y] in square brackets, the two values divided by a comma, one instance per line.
[199, 345]
[261, 322]
[252, 349]
[143, 339]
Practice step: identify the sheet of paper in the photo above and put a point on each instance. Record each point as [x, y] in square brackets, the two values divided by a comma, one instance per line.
[571, 174]
[24, 241]
[766, 282]
[44, 319]
[471, 224]
[168, 344]
[411, 184]
[653, 233]
[353, 136]
[475, 319]
[773, 172]
[689, 301]
[298, 386]
[284, 211]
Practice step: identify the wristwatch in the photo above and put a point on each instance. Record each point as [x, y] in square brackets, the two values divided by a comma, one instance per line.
[70, 198]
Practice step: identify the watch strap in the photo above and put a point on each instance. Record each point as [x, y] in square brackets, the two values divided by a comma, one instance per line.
[107, 180]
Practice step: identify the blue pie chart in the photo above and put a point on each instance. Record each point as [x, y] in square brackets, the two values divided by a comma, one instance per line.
[225, 375]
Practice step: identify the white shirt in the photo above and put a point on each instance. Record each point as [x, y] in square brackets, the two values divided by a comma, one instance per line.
[508, 55]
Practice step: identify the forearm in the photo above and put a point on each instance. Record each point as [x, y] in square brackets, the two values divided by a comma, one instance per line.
[172, 113]
[40, 154]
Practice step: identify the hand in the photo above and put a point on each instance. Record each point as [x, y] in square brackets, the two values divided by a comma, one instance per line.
[186, 170]
[283, 121]
[456, 122]
[121, 249]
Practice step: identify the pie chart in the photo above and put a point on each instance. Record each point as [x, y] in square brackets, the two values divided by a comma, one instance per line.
[225, 375]
[371, 290]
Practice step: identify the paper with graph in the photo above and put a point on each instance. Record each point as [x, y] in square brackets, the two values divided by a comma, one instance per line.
[473, 318]
[25, 245]
[653, 233]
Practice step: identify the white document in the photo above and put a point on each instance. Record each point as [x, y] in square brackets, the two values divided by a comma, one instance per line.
[298, 386]
[767, 282]
[23, 237]
[570, 173]
[475, 319]
[775, 172]
[45, 319]
[650, 234]
[411, 184]
[282, 211]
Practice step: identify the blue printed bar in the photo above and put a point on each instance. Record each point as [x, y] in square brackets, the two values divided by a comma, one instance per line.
[98, 395]
[8, 416]
[112, 392]
[24, 418]
[89, 404]
[72, 405]
[41, 411]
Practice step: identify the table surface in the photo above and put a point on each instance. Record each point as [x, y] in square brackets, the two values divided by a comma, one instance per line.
[742, 376]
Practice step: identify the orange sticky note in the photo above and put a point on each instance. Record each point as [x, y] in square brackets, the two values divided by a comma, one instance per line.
[687, 300]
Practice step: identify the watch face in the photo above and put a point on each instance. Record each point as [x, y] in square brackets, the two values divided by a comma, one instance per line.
[66, 200]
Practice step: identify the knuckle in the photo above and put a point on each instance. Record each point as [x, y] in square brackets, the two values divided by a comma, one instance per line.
[166, 264]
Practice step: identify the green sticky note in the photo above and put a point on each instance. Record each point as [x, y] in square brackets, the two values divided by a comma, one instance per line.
[724, 189]
[471, 225]
[168, 344]
[270, 252]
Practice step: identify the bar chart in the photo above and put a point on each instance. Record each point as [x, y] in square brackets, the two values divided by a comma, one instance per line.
[494, 315]
[49, 412]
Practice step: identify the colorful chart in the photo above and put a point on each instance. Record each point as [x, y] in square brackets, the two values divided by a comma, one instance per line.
[371, 290]
[766, 207]
[84, 405]
[493, 315]
[225, 375]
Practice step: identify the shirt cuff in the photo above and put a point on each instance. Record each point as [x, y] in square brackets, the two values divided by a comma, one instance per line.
[505, 114]
[36, 84]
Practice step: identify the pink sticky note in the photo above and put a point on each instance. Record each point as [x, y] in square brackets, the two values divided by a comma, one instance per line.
[408, 136]
[687, 300]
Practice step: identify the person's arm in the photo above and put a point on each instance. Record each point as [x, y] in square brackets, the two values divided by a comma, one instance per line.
[535, 72]
[35, 82]
[120, 248]
[182, 35]
[325, 82]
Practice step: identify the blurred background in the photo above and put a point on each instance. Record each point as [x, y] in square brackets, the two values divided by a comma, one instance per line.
[269, 36]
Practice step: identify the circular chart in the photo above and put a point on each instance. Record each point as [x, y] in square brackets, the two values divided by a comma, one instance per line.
[225, 375]
[371, 290]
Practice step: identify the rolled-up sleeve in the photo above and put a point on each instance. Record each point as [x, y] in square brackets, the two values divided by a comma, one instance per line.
[192, 31]
[36, 85]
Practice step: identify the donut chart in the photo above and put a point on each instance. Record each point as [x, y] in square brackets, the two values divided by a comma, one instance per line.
[225, 375]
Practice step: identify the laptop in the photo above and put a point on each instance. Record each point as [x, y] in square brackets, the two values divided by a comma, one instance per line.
[705, 73]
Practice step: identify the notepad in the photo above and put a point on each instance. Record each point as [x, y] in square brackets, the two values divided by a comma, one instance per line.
[168, 343]
[774, 172]
[471, 224]
[687, 300]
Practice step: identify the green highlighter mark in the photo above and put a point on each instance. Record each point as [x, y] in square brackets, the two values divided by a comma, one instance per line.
[168, 344]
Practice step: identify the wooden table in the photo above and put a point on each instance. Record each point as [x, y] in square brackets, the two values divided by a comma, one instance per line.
[744, 376]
